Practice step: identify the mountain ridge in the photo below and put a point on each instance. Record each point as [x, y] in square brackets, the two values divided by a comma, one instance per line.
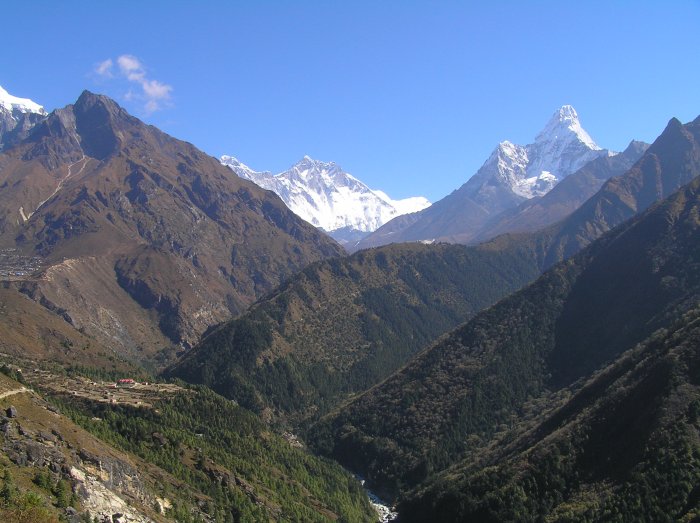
[618, 429]
[175, 240]
[343, 325]
[629, 282]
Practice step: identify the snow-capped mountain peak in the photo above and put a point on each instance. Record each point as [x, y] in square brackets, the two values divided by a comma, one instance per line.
[232, 162]
[17, 117]
[310, 169]
[325, 175]
[561, 148]
[330, 198]
[21, 105]
[564, 124]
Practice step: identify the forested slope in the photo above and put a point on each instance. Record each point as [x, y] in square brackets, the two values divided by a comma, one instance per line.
[343, 325]
[488, 375]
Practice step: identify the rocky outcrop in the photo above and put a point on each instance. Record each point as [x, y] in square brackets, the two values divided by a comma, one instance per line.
[108, 486]
[102, 502]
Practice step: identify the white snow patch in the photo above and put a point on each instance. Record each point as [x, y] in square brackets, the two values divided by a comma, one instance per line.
[22, 105]
[563, 122]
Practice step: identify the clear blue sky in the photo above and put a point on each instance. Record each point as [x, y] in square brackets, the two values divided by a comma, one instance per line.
[411, 97]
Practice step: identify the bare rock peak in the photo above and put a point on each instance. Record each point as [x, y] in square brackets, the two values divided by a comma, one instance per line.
[636, 147]
[89, 101]
[675, 123]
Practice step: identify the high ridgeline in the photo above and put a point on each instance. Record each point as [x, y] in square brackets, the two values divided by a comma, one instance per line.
[576, 397]
[146, 240]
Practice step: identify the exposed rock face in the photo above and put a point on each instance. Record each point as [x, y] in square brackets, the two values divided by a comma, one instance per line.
[15, 129]
[105, 482]
[99, 500]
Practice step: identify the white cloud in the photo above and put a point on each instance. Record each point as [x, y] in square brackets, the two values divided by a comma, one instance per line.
[105, 68]
[153, 93]
[131, 67]
[156, 90]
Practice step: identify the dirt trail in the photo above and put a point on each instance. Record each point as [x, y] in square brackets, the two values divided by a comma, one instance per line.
[13, 392]
[84, 159]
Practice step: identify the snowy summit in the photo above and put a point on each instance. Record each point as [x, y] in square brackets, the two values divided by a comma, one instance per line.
[561, 148]
[17, 117]
[13, 104]
[329, 198]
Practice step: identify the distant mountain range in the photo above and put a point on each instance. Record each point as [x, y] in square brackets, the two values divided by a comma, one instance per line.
[512, 192]
[384, 303]
[416, 292]
[330, 198]
[512, 175]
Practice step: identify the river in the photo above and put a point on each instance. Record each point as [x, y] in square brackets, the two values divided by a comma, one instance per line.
[385, 512]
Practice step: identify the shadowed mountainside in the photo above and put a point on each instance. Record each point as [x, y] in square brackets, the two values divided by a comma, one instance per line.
[484, 377]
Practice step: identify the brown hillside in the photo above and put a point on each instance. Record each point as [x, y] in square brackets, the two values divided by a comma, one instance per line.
[147, 241]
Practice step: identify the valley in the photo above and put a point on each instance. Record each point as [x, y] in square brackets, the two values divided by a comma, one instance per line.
[183, 339]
